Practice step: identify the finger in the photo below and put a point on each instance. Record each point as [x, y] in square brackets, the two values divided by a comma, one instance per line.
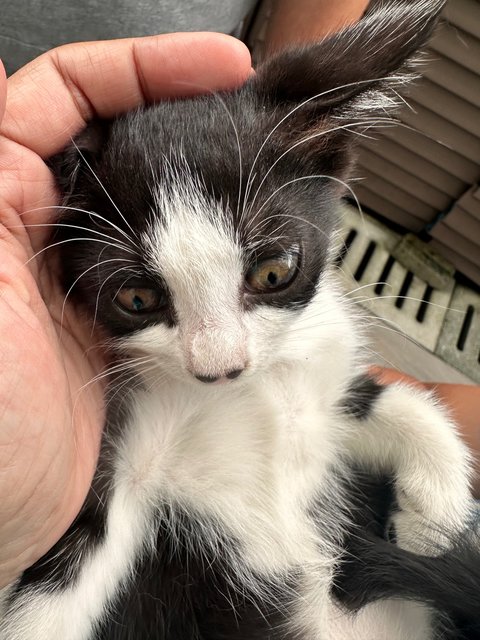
[3, 89]
[50, 99]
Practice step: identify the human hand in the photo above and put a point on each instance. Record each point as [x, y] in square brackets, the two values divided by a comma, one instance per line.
[294, 23]
[49, 426]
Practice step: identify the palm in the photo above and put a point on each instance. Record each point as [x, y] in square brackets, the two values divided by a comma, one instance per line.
[44, 371]
[49, 424]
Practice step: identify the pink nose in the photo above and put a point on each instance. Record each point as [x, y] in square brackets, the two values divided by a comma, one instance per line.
[215, 353]
[231, 375]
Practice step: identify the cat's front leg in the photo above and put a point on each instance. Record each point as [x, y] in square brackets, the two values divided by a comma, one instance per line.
[402, 430]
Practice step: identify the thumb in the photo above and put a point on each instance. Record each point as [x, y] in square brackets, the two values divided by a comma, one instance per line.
[3, 89]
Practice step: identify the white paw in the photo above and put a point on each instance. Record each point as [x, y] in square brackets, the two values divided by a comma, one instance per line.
[431, 515]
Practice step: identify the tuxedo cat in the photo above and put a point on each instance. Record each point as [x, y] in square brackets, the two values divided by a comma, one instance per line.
[199, 237]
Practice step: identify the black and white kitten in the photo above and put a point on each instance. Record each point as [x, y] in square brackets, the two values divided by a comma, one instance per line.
[203, 236]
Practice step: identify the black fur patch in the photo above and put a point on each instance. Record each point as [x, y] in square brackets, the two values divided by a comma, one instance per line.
[375, 569]
[188, 591]
[361, 397]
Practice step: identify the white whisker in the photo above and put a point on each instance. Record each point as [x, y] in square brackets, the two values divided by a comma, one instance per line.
[114, 243]
[57, 244]
[114, 273]
[398, 297]
[79, 210]
[123, 365]
[237, 138]
[102, 187]
[296, 218]
[302, 104]
[93, 266]
[346, 127]
[317, 176]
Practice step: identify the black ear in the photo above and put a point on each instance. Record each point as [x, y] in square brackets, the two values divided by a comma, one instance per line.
[355, 72]
[81, 153]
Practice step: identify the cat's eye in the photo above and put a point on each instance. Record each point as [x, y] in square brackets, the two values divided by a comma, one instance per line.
[138, 300]
[272, 273]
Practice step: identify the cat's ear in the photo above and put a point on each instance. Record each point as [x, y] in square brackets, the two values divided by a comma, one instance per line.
[354, 73]
[79, 155]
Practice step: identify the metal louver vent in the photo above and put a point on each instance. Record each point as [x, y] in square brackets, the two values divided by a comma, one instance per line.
[446, 322]
[426, 175]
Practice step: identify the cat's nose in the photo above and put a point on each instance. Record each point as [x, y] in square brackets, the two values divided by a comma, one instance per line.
[207, 378]
[231, 375]
[234, 374]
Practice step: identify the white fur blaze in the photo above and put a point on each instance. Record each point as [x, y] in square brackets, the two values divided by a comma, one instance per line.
[194, 249]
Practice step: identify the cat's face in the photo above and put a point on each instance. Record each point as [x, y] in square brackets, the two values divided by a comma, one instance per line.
[181, 264]
[203, 227]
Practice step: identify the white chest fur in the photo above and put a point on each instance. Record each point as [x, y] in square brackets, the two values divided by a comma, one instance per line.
[251, 456]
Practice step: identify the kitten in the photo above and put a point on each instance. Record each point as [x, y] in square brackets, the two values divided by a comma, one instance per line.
[200, 239]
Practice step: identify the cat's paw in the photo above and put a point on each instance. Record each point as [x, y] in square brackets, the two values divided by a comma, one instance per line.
[417, 534]
[432, 513]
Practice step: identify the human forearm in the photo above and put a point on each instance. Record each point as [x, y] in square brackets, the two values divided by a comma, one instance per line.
[308, 20]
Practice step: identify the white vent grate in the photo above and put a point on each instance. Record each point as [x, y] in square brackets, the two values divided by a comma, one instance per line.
[445, 322]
